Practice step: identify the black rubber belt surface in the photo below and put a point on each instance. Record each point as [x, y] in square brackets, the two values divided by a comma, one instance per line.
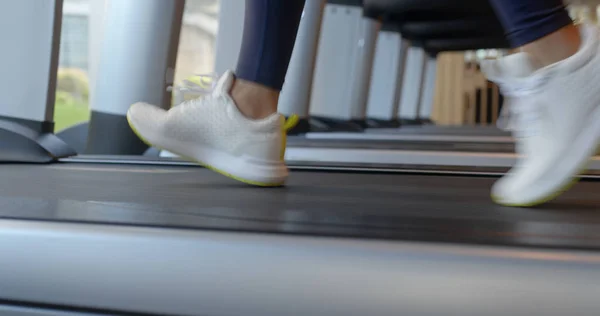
[407, 207]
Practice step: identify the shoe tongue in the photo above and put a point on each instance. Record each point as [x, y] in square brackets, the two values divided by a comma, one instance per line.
[224, 83]
[517, 65]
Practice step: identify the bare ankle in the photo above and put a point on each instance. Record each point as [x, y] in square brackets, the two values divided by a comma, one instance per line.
[555, 47]
[254, 100]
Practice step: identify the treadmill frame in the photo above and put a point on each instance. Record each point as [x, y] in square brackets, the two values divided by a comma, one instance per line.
[155, 271]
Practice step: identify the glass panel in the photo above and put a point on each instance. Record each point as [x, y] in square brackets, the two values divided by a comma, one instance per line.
[196, 54]
[72, 92]
[197, 43]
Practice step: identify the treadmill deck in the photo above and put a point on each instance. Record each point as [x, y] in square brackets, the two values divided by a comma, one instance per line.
[453, 209]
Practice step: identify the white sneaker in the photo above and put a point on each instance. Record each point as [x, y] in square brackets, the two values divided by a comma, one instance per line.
[554, 116]
[213, 132]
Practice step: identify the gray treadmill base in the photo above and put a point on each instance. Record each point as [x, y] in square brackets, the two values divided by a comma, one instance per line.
[403, 137]
[153, 271]
[110, 134]
[392, 157]
[409, 157]
[21, 143]
[76, 136]
[152, 152]
[443, 130]
[175, 241]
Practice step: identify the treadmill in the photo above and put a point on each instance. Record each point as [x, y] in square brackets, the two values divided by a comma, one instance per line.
[133, 235]
[159, 237]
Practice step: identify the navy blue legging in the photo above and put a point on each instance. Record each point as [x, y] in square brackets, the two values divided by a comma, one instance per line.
[528, 20]
[270, 28]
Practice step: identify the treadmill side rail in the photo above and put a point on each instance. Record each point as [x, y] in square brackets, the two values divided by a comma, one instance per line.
[182, 272]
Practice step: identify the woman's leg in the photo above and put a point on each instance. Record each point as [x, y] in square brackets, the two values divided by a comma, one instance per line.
[541, 28]
[551, 90]
[270, 29]
[236, 129]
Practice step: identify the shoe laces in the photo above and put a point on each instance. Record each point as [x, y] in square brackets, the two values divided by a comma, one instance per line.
[203, 85]
[521, 111]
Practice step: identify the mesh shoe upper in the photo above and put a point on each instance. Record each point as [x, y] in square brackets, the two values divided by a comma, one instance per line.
[215, 121]
[549, 107]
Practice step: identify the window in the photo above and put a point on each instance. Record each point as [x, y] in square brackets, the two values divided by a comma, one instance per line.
[197, 42]
[72, 91]
[196, 54]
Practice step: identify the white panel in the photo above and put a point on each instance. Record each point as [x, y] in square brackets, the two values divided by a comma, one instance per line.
[363, 64]
[26, 31]
[386, 78]
[295, 95]
[428, 88]
[95, 31]
[134, 54]
[229, 36]
[411, 84]
[343, 66]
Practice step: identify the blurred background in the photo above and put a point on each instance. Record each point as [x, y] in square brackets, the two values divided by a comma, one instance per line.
[82, 20]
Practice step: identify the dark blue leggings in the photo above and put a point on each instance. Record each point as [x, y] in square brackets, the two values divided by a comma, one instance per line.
[270, 28]
[528, 20]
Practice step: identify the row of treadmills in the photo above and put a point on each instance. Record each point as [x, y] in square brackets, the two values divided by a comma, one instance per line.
[385, 221]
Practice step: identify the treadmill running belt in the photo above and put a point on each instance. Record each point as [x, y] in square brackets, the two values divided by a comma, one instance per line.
[408, 207]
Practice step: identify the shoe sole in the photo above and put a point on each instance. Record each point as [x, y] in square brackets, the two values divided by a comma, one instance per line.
[582, 163]
[221, 157]
[572, 182]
